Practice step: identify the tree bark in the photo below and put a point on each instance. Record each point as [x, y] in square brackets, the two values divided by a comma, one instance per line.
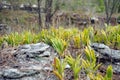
[39, 15]
[50, 12]
[110, 7]
[48, 9]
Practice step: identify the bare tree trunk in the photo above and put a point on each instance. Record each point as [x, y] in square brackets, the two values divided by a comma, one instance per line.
[39, 13]
[106, 10]
[50, 12]
[48, 8]
[110, 7]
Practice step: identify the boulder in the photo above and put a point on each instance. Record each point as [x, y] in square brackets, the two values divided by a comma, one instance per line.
[31, 62]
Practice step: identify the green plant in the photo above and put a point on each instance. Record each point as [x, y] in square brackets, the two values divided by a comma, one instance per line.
[65, 34]
[13, 39]
[108, 76]
[98, 76]
[85, 37]
[75, 65]
[110, 36]
[90, 63]
[59, 67]
[1, 40]
[90, 55]
[91, 67]
[59, 45]
[16, 38]
[109, 73]
[62, 33]
[77, 41]
[47, 39]
[102, 37]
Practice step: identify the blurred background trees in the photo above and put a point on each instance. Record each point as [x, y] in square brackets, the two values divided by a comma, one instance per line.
[45, 9]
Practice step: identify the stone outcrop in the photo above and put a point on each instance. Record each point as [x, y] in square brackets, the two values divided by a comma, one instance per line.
[31, 62]
[107, 56]
[34, 61]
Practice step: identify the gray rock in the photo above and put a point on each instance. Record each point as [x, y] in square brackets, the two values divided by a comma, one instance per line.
[106, 52]
[99, 46]
[35, 61]
[107, 56]
[0, 74]
[16, 74]
[33, 48]
[45, 54]
[11, 73]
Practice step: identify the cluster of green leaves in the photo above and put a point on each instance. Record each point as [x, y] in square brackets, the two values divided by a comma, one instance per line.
[78, 64]
[108, 76]
[89, 63]
[75, 65]
[83, 38]
[110, 36]
[86, 36]
[23, 38]
[1, 40]
[59, 45]
[77, 41]
[61, 33]
[59, 67]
